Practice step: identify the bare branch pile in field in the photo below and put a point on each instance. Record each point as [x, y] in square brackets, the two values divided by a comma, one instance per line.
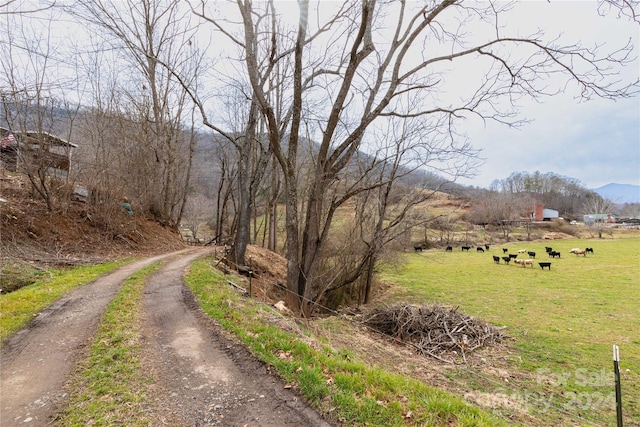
[434, 330]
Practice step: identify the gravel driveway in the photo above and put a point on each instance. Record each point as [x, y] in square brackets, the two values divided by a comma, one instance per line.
[202, 378]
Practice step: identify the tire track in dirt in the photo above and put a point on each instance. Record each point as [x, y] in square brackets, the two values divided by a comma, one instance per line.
[204, 378]
[37, 360]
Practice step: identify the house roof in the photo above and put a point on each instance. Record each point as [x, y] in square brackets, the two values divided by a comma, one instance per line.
[35, 135]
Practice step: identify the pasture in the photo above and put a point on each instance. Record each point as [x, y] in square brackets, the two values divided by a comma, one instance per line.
[564, 320]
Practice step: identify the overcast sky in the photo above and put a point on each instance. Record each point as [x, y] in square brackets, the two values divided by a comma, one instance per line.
[597, 142]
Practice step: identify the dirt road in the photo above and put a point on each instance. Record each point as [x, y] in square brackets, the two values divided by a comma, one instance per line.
[203, 379]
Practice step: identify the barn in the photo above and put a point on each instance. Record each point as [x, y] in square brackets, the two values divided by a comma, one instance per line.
[540, 213]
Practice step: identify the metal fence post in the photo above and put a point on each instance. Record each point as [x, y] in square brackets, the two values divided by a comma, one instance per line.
[616, 370]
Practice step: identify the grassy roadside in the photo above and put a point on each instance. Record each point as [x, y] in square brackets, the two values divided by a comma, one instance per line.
[18, 307]
[343, 388]
[108, 388]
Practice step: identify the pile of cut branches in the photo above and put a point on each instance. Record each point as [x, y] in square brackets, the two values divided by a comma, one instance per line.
[438, 331]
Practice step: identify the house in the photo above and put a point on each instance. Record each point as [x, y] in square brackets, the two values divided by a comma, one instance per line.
[33, 149]
[540, 213]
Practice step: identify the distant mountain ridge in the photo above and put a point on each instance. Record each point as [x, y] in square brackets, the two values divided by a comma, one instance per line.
[620, 193]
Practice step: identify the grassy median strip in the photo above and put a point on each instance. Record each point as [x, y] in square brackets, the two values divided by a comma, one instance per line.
[344, 389]
[109, 386]
[18, 307]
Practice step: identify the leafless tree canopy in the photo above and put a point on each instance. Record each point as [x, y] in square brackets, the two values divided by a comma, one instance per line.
[599, 210]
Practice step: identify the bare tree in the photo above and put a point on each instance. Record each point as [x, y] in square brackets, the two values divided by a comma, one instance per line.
[253, 154]
[630, 210]
[271, 211]
[221, 164]
[598, 212]
[345, 76]
[198, 210]
[526, 202]
[562, 193]
[152, 33]
[501, 211]
[387, 208]
[22, 7]
[445, 226]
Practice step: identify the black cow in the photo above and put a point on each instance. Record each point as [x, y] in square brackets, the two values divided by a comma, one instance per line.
[554, 254]
[479, 249]
[449, 249]
[486, 247]
[466, 248]
[532, 254]
[506, 259]
[496, 259]
[505, 250]
[588, 250]
[513, 256]
[545, 264]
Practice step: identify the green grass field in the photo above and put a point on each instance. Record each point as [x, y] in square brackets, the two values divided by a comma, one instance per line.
[564, 321]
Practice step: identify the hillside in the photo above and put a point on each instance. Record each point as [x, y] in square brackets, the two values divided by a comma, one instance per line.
[31, 236]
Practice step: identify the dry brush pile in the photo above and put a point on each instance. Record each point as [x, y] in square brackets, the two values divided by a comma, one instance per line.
[435, 330]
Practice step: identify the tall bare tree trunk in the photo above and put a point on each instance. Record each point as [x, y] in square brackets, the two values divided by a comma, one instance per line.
[244, 146]
[273, 209]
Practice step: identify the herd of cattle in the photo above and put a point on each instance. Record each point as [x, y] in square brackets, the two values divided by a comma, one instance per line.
[507, 258]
